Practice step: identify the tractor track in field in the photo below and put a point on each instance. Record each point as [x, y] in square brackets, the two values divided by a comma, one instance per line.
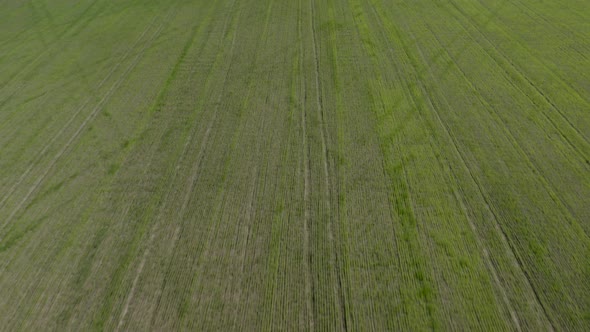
[497, 226]
[557, 198]
[11, 115]
[137, 41]
[404, 182]
[484, 250]
[172, 74]
[536, 89]
[550, 188]
[517, 87]
[334, 189]
[250, 212]
[29, 66]
[154, 228]
[125, 212]
[309, 285]
[488, 207]
[135, 280]
[41, 153]
[572, 91]
[377, 166]
[527, 10]
[338, 288]
[195, 284]
[194, 175]
[390, 188]
[87, 120]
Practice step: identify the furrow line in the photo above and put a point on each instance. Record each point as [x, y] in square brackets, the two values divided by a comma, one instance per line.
[250, 211]
[61, 250]
[504, 236]
[489, 207]
[546, 182]
[134, 284]
[337, 246]
[481, 245]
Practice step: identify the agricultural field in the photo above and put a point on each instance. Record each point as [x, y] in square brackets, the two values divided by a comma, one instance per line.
[318, 165]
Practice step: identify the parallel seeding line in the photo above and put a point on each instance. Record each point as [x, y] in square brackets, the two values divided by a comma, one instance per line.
[106, 97]
[514, 142]
[87, 120]
[155, 227]
[404, 184]
[338, 296]
[41, 153]
[489, 207]
[471, 22]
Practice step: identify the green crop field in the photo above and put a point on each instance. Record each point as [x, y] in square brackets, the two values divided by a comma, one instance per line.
[272, 165]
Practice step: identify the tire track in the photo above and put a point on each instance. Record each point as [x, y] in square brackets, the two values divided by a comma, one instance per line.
[339, 292]
[407, 202]
[211, 233]
[573, 147]
[531, 84]
[341, 263]
[250, 211]
[287, 184]
[31, 64]
[497, 226]
[51, 303]
[134, 283]
[550, 188]
[41, 153]
[481, 192]
[154, 228]
[484, 250]
[46, 266]
[526, 9]
[390, 188]
[186, 199]
[124, 157]
[488, 207]
[520, 74]
[309, 285]
[87, 120]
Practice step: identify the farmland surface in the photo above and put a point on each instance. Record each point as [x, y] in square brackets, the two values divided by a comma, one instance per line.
[320, 165]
